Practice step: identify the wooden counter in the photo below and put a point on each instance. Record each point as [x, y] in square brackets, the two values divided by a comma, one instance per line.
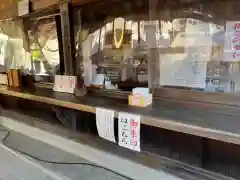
[213, 124]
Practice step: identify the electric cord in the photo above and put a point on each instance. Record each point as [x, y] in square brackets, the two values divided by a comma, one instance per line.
[56, 162]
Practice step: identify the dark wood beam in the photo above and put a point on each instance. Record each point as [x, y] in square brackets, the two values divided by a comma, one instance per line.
[66, 36]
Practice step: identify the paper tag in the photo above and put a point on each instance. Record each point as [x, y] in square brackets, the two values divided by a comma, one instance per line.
[105, 124]
[129, 131]
[23, 7]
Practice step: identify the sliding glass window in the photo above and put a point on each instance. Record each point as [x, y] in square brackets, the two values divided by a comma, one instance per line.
[12, 52]
[198, 45]
[114, 45]
[44, 48]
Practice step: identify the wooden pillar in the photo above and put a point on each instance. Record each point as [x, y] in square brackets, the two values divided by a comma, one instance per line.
[77, 41]
[152, 51]
[66, 36]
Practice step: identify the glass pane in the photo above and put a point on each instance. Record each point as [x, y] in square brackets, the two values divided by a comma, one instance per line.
[12, 52]
[113, 42]
[44, 49]
[198, 45]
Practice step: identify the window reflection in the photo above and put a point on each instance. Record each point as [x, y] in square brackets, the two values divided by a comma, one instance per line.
[114, 47]
[44, 48]
[12, 52]
[198, 46]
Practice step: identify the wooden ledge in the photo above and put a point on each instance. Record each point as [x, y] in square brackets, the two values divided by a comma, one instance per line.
[203, 123]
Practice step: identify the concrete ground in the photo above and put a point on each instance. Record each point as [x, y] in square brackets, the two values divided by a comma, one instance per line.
[14, 166]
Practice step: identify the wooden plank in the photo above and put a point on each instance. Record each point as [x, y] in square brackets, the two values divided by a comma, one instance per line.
[9, 9]
[41, 4]
[198, 96]
[212, 125]
[47, 100]
[81, 2]
[8, 12]
[5, 4]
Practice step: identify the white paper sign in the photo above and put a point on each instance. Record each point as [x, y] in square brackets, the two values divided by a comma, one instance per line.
[151, 29]
[105, 124]
[23, 7]
[134, 42]
[68, 84]
[72, 82]
[129, 131]
[182, 73]
[65, 83]
[187, 67]
[232, 41]
[95, 41]
[57, 83]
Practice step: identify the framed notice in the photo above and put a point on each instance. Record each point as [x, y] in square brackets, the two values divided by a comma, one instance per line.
[129, 131]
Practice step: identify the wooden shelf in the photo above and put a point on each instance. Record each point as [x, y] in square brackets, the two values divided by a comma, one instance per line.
[212, 124]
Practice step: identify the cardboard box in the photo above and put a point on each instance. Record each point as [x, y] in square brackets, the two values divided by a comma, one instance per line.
[140, 101]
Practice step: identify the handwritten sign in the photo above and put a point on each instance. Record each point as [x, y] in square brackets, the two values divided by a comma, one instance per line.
[232, 41]
[105, 124]
[129, 131]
